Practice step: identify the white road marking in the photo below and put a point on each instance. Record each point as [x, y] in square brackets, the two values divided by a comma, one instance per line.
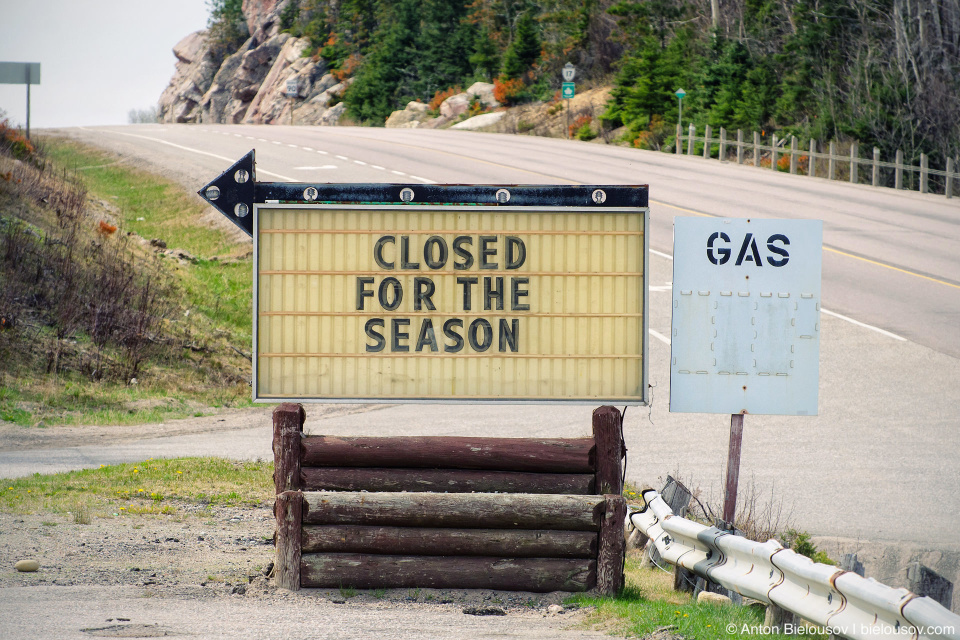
[276, 142]
[322, 152]
[424, 180]
[190, 149]
[378, 167]
[308, 148]
[659, 336]
[263, 140]
[863, 324]
[342, 157]
[326, 166]
[399, 173]
[293, 146]
[237, 135]
[360, 162]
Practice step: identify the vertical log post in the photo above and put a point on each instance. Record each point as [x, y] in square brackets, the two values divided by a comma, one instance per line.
[733, 469]
[832, 162]
[875, 178]
[612, 546]
[948, 187]
[793, 154]
[924, 172]
[756, 149]
[723, 145]
[693, 133]
[610, 450]
[773, 153]
[707, 133]
[812, 164]
[739, 146]
[679, 145]
[854, 162]
[288, 421]
[898, 178]
[289, 512]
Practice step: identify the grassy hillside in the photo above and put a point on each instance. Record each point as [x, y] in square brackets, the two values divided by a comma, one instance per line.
[118, 305]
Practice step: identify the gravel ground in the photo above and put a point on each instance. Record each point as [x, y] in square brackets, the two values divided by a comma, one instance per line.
[202, 574]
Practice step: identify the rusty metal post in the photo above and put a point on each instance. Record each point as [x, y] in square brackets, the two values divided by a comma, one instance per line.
[733, 468]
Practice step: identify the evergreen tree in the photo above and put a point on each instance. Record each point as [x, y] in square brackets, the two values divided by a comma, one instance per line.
[524, 51]
[444, 44]
[486, 57]
[385, 80]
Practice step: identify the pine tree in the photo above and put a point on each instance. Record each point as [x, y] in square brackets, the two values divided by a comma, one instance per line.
[486, 57]
[525, 48]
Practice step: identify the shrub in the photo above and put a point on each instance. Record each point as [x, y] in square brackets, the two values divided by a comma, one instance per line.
[440, 96]
[581, 124]
[508, 91]
[15, 142]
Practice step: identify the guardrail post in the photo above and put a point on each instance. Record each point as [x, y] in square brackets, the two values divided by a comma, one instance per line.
[875, 178]
[854, 158]
[832, 161]
[693, 133]
[756, 149]
[679, 144]
[773, 153]
[898, 176]
[288, 421]
[723, 145]
[793, 154]
[707, 133]
[739, 146]
[924, 172]
[948, 187]
[812, 163]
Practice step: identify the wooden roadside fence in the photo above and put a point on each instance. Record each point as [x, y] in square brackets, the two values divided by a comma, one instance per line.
[518, 514]
[814, 161]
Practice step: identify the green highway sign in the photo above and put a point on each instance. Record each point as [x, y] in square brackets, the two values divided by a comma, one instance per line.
[567, 90]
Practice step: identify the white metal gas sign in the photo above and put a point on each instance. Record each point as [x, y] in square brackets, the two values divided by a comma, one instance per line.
[746, 316]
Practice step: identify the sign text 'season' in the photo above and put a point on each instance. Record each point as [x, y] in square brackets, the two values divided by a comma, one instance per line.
[491, 293]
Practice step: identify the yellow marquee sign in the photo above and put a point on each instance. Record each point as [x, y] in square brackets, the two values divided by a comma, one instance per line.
[453, 302]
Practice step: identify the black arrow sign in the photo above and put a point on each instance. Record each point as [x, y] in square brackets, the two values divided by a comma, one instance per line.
[235, 191]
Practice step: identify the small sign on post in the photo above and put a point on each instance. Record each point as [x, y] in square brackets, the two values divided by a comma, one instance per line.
[27, 73]
[746, 322]
[567, 90]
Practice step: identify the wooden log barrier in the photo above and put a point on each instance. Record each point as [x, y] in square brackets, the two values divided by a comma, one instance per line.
[456, 510]
[289, 512]
[417, 541]
[543, 455]
[288, 422]
[524, 514]
[443, 480]
[331, 570]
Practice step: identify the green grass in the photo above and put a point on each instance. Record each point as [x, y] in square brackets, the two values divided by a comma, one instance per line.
[149, 487]
[72, 399]
[201, 369]
[648, 603]
[168, 211]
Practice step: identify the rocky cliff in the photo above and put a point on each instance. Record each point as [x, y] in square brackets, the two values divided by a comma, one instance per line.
[249, 85]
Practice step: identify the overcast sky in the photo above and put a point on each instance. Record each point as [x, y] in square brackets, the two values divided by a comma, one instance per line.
[98, 58]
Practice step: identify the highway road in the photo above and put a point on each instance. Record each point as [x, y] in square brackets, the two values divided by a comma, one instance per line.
[880, 460]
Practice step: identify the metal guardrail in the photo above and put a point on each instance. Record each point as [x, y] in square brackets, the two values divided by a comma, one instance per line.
[841, 602]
